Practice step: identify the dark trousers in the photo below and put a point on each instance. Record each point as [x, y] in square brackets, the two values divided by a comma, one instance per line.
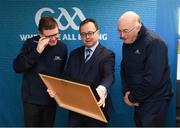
[152, 114]
[78, 120]
[39, 115]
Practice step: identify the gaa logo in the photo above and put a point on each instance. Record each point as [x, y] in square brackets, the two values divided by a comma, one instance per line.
[63, 12]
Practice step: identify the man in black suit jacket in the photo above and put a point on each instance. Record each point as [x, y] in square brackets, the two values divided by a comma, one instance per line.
[96, 67]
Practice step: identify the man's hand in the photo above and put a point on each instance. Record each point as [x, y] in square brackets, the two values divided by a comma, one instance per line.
[51, 93]
[42, 43]
[102, 96]
[126, 100]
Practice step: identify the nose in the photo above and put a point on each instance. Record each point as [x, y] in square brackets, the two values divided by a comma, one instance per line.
[87, 36]
[122, 34]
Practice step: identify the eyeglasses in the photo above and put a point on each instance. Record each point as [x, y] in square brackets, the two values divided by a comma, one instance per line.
[90, 34]
[127, 31]
[54, 35]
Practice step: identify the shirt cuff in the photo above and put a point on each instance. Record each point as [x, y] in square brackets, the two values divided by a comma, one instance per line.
[101, 87]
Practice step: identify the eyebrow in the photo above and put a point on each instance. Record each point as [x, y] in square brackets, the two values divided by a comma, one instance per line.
[122, 29]
[90, 31]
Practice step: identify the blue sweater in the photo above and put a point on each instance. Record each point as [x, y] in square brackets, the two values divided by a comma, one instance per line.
[29, 62]
[145, 69]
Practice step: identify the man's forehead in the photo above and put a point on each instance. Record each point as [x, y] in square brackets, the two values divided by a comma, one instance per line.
[124, 24]
[51, 31]
[128, 18]
[88, 26]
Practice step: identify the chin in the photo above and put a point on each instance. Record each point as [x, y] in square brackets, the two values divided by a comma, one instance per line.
[52, 44]
[128, 42]
[89, 44]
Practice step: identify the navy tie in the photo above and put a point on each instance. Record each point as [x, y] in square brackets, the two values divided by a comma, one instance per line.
[88, 53]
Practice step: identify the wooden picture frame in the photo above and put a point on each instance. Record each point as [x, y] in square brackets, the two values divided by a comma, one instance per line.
[74, 96]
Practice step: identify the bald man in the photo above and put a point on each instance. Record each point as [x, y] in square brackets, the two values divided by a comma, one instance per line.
[144, 71]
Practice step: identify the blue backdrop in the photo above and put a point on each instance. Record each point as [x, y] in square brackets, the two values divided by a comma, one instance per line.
[19, 21]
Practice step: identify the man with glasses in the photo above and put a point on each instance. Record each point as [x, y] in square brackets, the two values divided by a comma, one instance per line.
[145, 71]
[91, 63]
[40, 54]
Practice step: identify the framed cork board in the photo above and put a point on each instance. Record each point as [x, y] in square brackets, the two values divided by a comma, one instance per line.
[74, 96]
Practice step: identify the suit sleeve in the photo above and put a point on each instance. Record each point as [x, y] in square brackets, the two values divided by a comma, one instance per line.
[155, 65]
[26, 58]
[107, 68]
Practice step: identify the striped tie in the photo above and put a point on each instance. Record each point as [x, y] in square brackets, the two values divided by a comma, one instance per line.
[88, 53]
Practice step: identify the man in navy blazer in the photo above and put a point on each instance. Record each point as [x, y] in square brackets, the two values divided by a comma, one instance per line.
[91, 63]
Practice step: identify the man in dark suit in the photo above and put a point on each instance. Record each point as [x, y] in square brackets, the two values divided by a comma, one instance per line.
[91, 63]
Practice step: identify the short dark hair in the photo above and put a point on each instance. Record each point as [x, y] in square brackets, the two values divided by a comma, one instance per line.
[88, 20]
[47, 23]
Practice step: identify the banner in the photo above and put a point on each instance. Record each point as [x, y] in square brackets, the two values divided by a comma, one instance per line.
[19, 21]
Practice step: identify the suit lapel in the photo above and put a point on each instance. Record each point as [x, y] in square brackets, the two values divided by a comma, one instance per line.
[81, 56]
[91, 62]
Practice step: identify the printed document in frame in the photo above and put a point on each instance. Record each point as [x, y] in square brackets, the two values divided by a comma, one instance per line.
[74, 96]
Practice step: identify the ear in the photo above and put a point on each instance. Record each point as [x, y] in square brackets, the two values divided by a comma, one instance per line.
[98, 32]
[139, 27]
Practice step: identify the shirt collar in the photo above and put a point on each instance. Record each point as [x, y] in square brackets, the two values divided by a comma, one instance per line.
[93, 47]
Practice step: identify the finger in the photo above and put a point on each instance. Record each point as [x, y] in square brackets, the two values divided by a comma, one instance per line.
[104, 105]
[136, 104]
[51, 93]
[128, 103]
[45, 40]
[48, 90]
[128, 92]
[99, 103]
